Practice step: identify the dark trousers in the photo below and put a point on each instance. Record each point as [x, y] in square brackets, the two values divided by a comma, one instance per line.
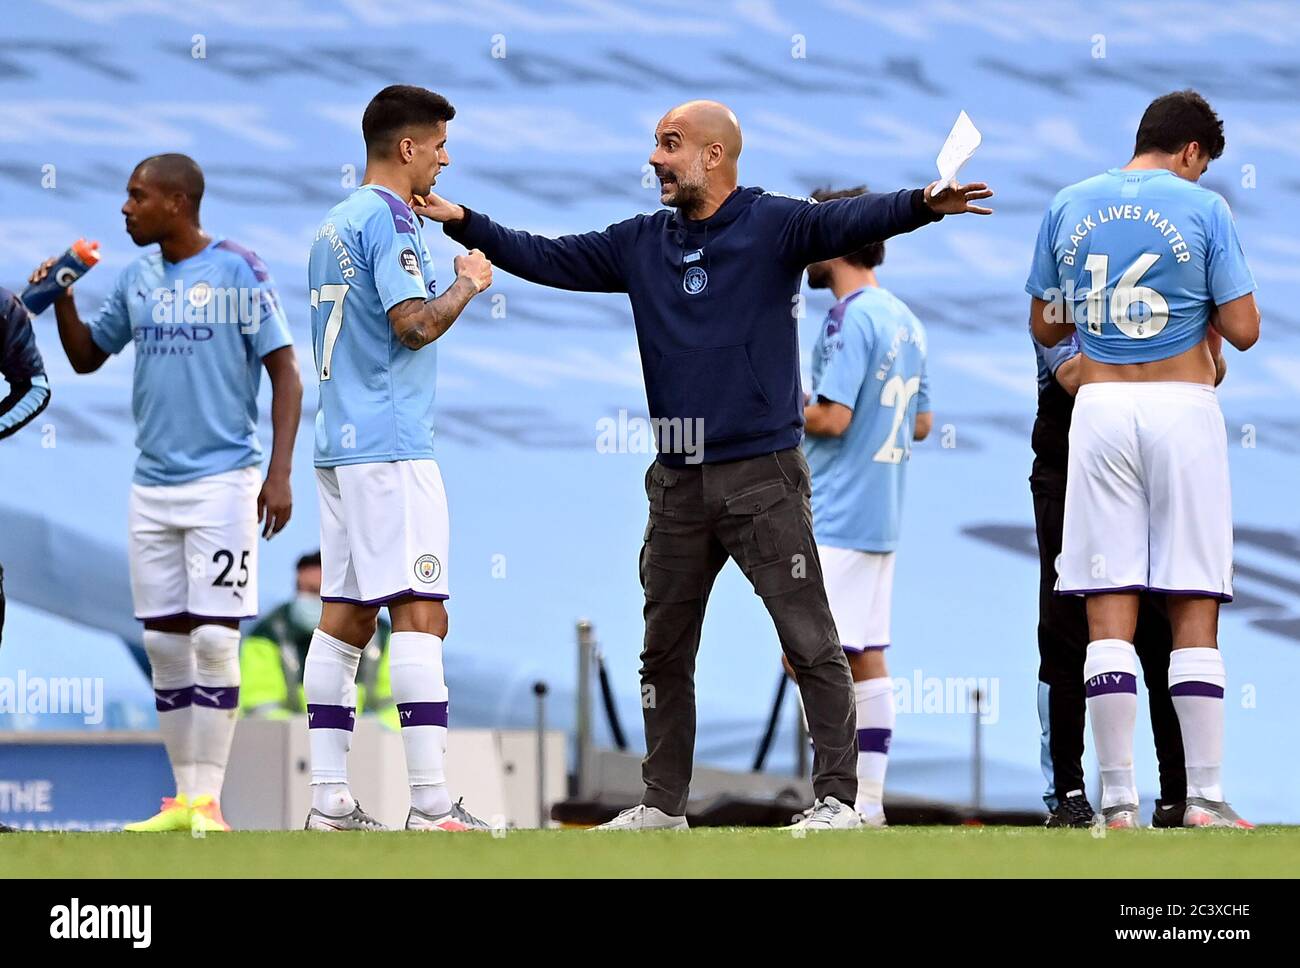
[758, 512]
[1062, 646]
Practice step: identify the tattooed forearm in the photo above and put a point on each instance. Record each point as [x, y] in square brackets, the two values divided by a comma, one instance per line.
[418, 322]
[415, 336]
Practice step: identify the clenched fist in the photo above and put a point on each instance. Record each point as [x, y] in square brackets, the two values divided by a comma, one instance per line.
[475, 267]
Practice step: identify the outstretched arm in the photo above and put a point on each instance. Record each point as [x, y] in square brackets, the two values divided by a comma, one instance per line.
[590, 262]
[815, 231]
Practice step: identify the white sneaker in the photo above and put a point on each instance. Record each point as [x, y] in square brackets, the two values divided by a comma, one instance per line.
[876, 819]
[1212, 813]
[457, 818]
[358, 819]
[642, 817]
[1121, 816]
[828, 814]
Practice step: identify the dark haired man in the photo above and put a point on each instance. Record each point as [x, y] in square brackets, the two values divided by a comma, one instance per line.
[712, 282]
[1145, 266]
[870, 399]
[384, 532]
[1063, 625]
[205, 319]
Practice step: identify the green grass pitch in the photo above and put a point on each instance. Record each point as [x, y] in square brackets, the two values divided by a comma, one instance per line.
[716, 852]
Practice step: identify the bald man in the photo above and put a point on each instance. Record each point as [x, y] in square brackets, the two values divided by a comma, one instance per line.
[714, 281]
[205, 319]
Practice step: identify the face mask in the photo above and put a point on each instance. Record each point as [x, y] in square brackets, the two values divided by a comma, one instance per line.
[305, 610]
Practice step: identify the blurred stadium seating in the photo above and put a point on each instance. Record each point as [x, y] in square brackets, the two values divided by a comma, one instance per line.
[553, 137]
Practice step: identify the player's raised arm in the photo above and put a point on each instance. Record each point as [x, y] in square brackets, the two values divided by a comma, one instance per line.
[589, 262]
[418, 322]
[83, 352]
[814, 232]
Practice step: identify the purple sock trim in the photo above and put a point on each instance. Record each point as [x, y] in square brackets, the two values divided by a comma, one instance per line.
[1111, 682]
[422, 713]
[170, 700]
[330, 717]
[217, 697]
[1194, 687]
[874, 740]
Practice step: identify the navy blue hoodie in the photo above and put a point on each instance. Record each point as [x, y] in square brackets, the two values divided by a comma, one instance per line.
[713, 300]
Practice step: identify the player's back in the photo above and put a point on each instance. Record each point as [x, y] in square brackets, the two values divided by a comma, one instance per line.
[872, 349]
[1140, 258]
[376, 396]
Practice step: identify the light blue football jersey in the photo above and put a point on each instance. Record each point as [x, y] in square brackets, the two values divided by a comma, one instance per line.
[376, 396]
[201, 327]
[869, 356]
[1140, 259]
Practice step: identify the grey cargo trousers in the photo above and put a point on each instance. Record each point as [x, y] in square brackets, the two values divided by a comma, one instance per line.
[757, 511]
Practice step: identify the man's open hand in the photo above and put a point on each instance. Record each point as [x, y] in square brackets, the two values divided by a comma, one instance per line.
[956, 200]
[437, 208]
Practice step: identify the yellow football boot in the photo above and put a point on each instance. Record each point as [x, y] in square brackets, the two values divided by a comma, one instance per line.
[174, 815]
[205, 817]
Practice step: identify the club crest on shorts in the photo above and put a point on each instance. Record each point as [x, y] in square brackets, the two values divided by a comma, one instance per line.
[410, 261]
[695, 280]
[427, 569]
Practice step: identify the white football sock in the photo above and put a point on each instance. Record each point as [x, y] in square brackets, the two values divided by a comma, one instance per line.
[216, 704]
[1110, 680]
[1196, 681]
[171, 662]
[329, 682]
[875, 709]
[420, 692]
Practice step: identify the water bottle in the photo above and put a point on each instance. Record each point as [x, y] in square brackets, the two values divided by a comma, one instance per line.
[70, 267]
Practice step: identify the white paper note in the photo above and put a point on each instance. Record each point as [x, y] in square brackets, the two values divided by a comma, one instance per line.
[962, 141]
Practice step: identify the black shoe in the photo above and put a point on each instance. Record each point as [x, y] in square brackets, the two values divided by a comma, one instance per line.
[1168, 814]
[1073, 811]
[5, 829]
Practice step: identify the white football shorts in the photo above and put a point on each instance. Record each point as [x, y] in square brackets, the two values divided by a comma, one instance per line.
[860, 588]
[194, 547]
[383, 531]
[1147, 501]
